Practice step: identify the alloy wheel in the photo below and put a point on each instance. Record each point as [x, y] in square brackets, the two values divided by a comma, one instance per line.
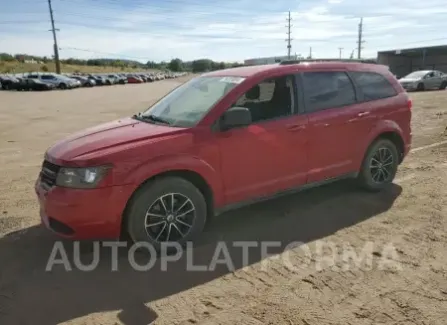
[170, 218]
[382, 165]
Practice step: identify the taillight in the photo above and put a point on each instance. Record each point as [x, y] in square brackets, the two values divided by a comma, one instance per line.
[409, 103]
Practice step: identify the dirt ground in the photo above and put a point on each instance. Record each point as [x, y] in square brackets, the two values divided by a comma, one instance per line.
[403, 229]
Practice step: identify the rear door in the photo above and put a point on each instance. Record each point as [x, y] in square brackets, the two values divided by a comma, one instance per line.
[337, 123]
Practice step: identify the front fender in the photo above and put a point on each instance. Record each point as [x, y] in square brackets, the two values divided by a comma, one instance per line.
[172, 163]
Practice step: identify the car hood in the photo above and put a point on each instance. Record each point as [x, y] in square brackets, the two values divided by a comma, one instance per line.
[409, 79]
[92, 144]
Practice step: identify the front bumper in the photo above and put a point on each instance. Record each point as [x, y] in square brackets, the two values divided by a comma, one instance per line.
[81, 213]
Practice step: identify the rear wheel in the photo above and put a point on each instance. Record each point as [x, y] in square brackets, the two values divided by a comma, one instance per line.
[379, 166]
[443, 85]
[63, 86]
[169, 209]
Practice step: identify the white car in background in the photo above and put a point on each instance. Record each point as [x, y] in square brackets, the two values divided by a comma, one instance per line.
[424, 79]
[60, 81]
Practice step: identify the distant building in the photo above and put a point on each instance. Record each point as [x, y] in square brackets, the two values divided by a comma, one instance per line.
[270, 60]
[403, 61]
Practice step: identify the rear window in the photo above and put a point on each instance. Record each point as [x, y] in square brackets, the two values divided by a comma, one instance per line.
[373, 85]
[329, 89]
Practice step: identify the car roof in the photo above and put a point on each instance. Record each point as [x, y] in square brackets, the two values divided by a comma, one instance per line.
[249, 71]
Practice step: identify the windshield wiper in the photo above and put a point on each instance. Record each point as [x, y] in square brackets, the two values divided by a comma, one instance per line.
[152, 118]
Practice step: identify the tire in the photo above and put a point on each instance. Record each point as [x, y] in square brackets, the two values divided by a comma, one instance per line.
[369, 177]
[443, 85]
[62, 86]
[420, 87]
[148, 198]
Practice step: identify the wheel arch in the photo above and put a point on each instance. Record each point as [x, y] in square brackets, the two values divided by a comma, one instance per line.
[192, 176]
[395, 137]
[389, 130]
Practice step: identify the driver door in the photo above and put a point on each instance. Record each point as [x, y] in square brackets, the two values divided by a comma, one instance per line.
[430, 80]
[270, 154]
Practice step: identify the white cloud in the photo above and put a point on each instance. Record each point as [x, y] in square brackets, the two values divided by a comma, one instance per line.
[226, 31]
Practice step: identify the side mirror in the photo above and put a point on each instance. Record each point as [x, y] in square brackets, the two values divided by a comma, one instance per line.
[236, 117]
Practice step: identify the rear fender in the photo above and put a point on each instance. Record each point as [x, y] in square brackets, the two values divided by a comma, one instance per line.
[383, 126]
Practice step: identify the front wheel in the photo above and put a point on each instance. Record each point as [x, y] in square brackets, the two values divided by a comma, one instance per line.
[167, 210]
[63, 86]
[379, 166]
[420, 87]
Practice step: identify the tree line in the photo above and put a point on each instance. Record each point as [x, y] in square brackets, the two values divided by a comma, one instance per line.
[175, 65]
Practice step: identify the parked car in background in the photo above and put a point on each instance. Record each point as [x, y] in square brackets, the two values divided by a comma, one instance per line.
[60, 81]
[134, 79]
[222, 140]
[424, 80]
[9, 82]
[85, 81]
[114, 79]
[143, 77]
[99, 80]
[34, 84]
[122, 79]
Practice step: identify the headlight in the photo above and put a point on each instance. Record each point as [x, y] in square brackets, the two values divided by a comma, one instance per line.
[81, 177]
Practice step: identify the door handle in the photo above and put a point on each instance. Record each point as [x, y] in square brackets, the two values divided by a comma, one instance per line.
[362, 114]
[296, 127]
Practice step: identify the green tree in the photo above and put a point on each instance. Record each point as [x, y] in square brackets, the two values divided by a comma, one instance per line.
[6, 57]
[175, 65]
[202, 65]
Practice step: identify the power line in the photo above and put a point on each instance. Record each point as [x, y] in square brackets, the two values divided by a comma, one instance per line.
[105, 53]
[56, 49]
[288, 40]
[107, 4]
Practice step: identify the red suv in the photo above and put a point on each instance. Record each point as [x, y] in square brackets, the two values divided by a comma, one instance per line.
[225, 139]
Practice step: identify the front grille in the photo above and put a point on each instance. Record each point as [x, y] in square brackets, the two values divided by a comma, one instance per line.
[48, 174]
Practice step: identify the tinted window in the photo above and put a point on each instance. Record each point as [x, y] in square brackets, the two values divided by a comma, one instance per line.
[373, 85]
[328, 90]
[269, 99]
[46, 77]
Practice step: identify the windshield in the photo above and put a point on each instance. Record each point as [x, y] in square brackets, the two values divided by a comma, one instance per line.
[416, 75]
[186, 105]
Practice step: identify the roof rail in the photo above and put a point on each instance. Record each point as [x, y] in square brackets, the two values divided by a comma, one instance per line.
[287, 62]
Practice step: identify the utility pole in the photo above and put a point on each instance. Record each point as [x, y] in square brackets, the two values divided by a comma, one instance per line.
[56, 48]
[289, 39]
[310, 53]
[340, 49]
[360, 40]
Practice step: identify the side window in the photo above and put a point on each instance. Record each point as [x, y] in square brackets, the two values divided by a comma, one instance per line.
[47, 77]
[373, 85]
[328, 90]
[270, 99]
[33, 76]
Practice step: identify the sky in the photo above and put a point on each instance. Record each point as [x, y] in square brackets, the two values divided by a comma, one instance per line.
[221, 30]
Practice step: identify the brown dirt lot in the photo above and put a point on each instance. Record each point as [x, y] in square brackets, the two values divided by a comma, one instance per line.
[295, 288]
